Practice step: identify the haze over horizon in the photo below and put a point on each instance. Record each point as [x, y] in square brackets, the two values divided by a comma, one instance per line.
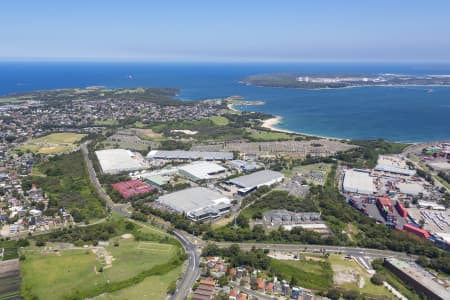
[399, 31]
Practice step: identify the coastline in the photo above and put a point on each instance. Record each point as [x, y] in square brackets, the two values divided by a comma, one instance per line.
[272, 123]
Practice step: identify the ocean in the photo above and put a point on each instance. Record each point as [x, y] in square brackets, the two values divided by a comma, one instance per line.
[407, 114]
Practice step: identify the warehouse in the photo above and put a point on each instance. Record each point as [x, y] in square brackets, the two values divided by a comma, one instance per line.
[255, 180]
[358, 181]
[419, 279]
[411, 188]
[201, 170]
[198, 203]
[114, 161]
[189, 155]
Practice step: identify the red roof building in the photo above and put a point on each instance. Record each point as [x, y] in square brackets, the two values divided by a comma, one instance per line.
[401, 209]
[131, 188]
[269, 287]
[260, 283]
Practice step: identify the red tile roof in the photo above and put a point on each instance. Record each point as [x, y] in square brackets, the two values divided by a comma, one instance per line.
[131, 188]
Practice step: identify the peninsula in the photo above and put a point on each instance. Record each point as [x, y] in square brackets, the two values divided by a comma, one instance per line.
[333, 81]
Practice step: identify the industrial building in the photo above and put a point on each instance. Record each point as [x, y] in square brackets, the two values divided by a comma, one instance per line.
[252, 181]
[411, 188]
[393, 164]
[201, 170]
[419, 279]
[114, 161]
[198, 203]
[189, 155]
[246, 166]
[131, 188]
[358, 181]
[156, 181]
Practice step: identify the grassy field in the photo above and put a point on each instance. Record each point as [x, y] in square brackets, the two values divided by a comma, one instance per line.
[53, 143]
[118, 268]
[153, 287]
[305, 170]
[351, 276]
[219, 120]
[264, 136]
[316, 275]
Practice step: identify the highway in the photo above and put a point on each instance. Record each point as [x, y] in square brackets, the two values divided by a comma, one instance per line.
[352, 251]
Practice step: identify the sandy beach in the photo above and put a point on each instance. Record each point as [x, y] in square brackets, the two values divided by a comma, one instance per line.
[230, 107]
[273, 122]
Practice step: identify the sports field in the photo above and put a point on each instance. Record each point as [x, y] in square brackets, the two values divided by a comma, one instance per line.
[53, 143]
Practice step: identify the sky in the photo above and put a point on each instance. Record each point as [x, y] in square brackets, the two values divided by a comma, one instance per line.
[228, 30]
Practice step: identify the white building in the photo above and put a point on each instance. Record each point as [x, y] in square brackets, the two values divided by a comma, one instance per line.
[114, 161]
[255, 180]
[358, 181]
[198, 203]
[201, 170]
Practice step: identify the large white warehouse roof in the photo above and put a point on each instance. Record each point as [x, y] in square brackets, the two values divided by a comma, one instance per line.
[113, 161]
[201, 170]
[357, 181]
[196, 201]
[189, 155]
[257, 179]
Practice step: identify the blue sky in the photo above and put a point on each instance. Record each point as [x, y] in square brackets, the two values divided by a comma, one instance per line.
[212, 30]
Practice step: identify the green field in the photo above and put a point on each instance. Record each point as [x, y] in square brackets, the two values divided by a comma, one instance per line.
[316, 275]
[219, 120]
[53, 143]
[152, 287]
[123, 269]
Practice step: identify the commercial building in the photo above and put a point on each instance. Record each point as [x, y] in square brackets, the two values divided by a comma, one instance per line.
[198, 203]
[114, 161]
[358, 181]
[255, 180]
[410, 188]
[419, 279]
[131, 188]
[156, 181]
[246, 166]
[189, 155]
[201, 170]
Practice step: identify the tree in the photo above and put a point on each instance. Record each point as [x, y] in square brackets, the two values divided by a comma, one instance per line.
[377, 279]
[334, 294]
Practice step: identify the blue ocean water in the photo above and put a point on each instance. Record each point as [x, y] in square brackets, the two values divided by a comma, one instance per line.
[410, 114]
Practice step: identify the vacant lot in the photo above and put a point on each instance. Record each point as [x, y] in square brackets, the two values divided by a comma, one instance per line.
[53, 143]
[311, 274]
[265, 136]
[350, 275]
[77, 272]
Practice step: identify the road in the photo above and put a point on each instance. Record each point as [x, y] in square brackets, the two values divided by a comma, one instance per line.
[192, 270]
[352, 251]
